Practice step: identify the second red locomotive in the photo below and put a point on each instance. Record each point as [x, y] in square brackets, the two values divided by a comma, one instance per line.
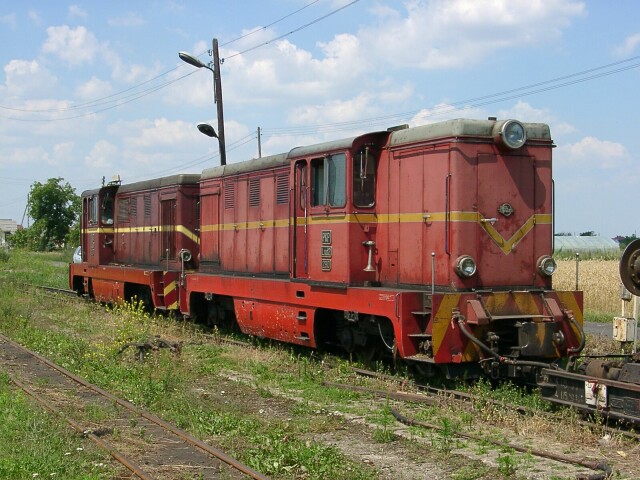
[432, 244]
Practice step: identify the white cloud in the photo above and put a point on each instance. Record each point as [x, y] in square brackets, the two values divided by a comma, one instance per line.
[629, 46]
[25, 156]
[159, 132]
[444, 111]
[62, 154]
[77, 12]
[93, 89]
[335, 111]
[101, 156]
[130, 19]
[9, 20]
[453, 34]
[525, 112]
[591, 153]
[34, 15]
[23, 76]
[73, 45]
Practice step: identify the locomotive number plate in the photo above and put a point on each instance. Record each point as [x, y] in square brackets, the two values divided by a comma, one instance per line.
[326, 237]
[326, 264]
[327, 252]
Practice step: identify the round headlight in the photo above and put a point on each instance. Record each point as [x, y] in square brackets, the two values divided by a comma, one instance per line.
[547, 266]
[465, 266]
[513, 134]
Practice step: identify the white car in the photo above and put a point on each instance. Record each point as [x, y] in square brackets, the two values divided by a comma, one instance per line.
[77, 255]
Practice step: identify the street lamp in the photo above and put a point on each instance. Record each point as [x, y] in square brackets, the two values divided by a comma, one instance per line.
[214, 66]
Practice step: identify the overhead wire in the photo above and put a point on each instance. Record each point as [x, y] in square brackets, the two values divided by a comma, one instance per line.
[117, 97]
[280, 37]
[473, 102]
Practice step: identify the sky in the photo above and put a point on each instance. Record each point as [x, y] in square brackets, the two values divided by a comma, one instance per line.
[92, 89]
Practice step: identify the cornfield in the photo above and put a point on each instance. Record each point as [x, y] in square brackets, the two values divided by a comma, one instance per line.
[600, 282]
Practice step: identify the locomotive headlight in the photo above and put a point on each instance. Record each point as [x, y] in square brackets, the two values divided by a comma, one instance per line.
[513, 134]
[465, 266]
[546, 265]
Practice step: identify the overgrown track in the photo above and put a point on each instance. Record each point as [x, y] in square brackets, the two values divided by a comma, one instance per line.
[135, 437]
[435, 395]
[430, 394]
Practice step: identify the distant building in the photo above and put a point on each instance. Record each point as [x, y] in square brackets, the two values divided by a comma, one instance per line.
[594, 246]
[7, 228]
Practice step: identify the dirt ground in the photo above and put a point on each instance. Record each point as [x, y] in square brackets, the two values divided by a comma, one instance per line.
[412, 456]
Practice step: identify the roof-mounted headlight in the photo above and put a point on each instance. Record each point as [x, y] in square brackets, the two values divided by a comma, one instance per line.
[547, 265]
[465, 266]
[512, 134]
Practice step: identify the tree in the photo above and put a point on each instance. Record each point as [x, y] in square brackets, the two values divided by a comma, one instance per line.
[590, 233]
[54, 208]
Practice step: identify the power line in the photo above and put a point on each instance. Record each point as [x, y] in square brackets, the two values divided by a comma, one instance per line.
[333, 12]
[117, 97]
[130, 98]
[483, 100]
[260, 29]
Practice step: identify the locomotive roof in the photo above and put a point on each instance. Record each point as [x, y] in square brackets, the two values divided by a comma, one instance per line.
[246, 166]
[322, 147]
[283, 158]
[463, 128]
[179, 179]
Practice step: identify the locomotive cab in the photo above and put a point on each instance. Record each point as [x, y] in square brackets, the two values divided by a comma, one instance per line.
[97, 225]
[138, 241]
[335, 211]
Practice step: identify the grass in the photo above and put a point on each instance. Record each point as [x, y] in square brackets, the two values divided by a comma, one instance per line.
[34, 444]
[87, 339]
[38, 268]
[230, 397]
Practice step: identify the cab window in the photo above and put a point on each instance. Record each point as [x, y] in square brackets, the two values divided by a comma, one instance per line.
[108, 205]
[364, 178]
[92, 210]
[328, 180]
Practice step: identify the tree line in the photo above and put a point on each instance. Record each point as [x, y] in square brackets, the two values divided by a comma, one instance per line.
[55, 209]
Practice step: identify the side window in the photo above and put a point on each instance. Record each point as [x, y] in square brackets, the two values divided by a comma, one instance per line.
[328, 180]
[92, 210]
[364, 178]
[108, 206]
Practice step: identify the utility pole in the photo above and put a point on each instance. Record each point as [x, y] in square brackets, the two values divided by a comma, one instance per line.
[218, 99]
[259, 143]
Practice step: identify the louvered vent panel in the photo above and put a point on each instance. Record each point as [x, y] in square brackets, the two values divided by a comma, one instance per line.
[133, 209]
[147, 206]
[229, 195]
[254, 192]
[282, 189]
[123, 209]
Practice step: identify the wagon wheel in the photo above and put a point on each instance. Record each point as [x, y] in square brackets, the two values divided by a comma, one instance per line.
[630, 267]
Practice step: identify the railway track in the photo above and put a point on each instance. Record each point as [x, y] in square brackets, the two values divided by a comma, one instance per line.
[144, 444]
[430, 395]
[434, 396]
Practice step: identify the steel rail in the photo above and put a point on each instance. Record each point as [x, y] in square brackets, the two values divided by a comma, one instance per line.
[187, 437]
[132, 466]
[593, 465]
[463, 396]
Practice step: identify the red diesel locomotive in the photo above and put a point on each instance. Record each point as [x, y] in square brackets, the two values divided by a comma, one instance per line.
[432, 244]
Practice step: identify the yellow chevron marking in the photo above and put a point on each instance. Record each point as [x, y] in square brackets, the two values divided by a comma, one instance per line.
[169, 287]
[508, 245]
[442, 319]
[568, 299]
[148, 229]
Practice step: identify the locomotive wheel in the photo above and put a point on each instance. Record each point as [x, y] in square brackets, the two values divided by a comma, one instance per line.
[630, 267]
